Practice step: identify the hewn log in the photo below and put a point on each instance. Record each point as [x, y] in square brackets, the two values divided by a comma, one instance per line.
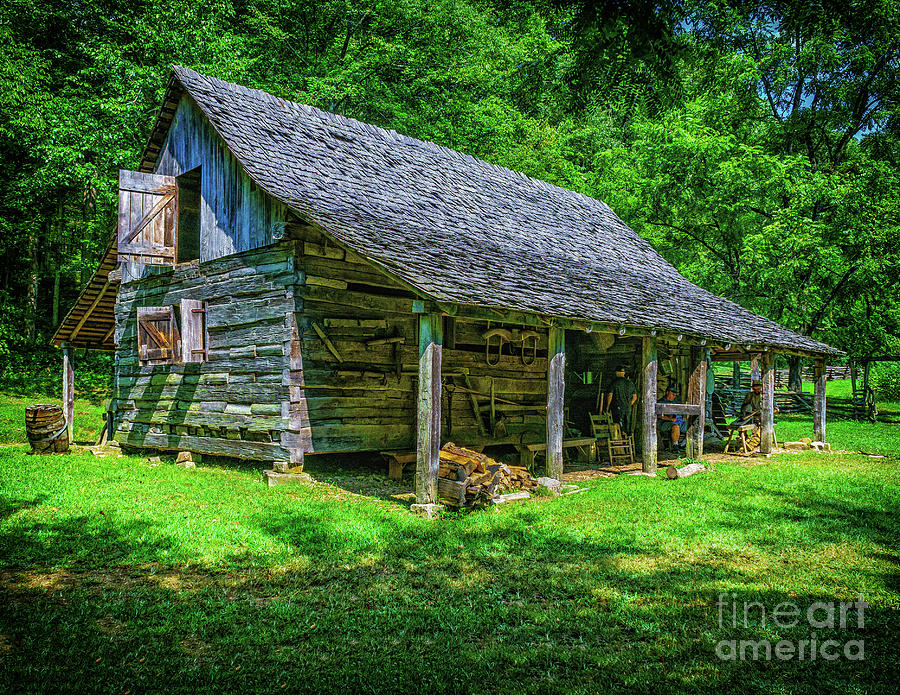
[667, 408]
[648, 430]
[754, 368]
[819, 409]
[68, 391]
[556, 401]
[767, 414]
[428, 427]
[672, 473]
[697, 396]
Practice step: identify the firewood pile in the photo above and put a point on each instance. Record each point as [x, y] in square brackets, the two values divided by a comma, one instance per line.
[470, 479]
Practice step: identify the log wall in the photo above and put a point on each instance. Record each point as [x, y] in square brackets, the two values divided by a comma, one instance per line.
[237, 402]
[359, 341]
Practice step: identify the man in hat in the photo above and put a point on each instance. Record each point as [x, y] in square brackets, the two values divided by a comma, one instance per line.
[621, 398]
[752, 404]
[671, 425]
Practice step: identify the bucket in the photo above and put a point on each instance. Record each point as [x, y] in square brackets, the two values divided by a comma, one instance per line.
[45, 426]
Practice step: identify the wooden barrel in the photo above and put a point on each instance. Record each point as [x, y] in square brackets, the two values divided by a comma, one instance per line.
[45, 426]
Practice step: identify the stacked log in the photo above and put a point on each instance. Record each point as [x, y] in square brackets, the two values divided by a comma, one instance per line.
[470, 479]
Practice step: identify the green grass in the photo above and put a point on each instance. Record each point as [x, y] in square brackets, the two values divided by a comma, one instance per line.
[119, 575]
[88, 417]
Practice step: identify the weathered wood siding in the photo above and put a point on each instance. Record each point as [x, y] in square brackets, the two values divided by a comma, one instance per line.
[238, 402]
[235, 214]
[359, 341]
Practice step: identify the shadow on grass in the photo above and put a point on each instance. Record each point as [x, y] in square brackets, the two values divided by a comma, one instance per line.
[381, 602]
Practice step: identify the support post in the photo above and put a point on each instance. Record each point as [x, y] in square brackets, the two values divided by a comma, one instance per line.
[819, 407]
[649, 367]
[428, 427]
[754, 368]
[556, 368]
[697, 396]
[767, 414]
[68, 391]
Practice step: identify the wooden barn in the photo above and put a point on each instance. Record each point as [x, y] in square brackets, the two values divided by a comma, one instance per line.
[286, 281]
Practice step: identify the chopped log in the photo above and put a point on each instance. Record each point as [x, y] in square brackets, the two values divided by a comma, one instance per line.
[673, 473]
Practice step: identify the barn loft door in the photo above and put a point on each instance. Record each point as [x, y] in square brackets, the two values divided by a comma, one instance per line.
[147, 218]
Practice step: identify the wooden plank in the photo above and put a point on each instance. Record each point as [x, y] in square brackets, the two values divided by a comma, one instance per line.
[666, 408]
[87, 313]
[145, 221]
[328, 344]
[193, 331]
[236, 448]
[819, 408]
[428, 412]
[141, 182]
[649, 369]
[767, 414]
[556, 401]
[697, 397]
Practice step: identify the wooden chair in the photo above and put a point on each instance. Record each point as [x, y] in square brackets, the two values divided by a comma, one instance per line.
[619, 447]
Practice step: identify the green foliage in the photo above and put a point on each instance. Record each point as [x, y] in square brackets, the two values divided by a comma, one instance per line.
[756, 145]
[38, 371]
[886, 381]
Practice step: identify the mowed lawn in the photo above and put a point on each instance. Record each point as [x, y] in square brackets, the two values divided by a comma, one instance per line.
[120, 575]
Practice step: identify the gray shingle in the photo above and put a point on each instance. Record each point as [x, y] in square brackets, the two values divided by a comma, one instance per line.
[462, 230]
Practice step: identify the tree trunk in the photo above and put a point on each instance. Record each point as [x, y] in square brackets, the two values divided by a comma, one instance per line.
[31, 298]
[795, 373]
[55, 299]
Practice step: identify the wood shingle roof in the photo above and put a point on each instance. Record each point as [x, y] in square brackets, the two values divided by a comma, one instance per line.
[462, 230]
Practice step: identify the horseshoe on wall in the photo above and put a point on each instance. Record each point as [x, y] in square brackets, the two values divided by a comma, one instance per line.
[501, 334]
[526, 336]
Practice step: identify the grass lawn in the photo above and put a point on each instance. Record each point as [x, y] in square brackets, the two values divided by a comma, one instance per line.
[118, 575]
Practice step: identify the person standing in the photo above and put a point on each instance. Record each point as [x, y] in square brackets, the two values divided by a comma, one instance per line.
[620, 399]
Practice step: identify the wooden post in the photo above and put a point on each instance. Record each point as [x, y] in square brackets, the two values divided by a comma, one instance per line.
[648, 429]
[556, 367]
[819, 406]
[754, 368]
[68, 391]
[428, 430]
[767, 375]
[697, 396]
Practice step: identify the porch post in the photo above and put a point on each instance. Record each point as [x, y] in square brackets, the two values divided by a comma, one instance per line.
[68, 391]
[767, 414]
[819, 408]
[428, 429]
[556, 368]
[754, 368]
[697, 396]
[649, 366]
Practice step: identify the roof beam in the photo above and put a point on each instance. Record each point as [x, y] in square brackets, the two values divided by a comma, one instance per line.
[87, 313]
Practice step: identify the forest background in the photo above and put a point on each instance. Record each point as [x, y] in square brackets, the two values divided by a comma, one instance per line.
[755, 145]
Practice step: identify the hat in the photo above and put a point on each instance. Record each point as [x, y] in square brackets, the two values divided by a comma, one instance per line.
[621, 368]
[756, 382]
[672, 389]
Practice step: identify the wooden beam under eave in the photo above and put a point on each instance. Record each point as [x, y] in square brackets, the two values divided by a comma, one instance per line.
[87, 313]
[649, 368]
[556, 369]
[819, 404]
[428, 412]
[767, 413]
